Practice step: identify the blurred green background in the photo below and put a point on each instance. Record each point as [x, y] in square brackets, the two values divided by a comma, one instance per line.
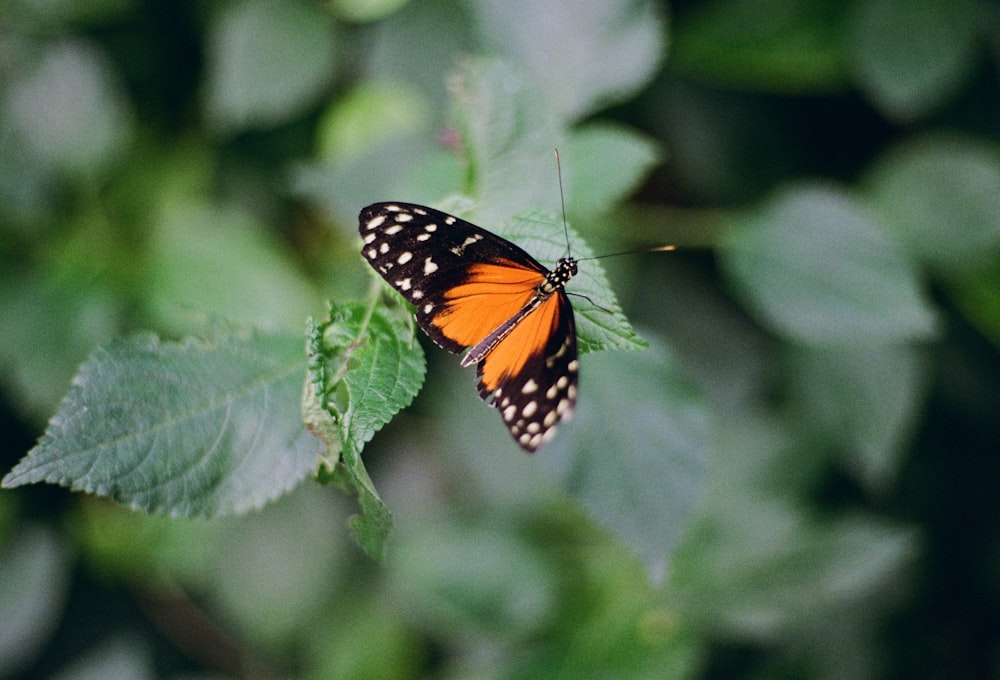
[832, 173]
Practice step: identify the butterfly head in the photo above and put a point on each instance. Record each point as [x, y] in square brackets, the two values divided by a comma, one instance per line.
[556, 279]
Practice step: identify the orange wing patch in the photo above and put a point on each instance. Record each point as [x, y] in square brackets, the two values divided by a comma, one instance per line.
[491, 293]
[527, 340]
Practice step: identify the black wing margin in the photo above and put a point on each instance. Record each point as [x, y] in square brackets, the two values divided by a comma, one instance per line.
[535, 399]
[423, 252]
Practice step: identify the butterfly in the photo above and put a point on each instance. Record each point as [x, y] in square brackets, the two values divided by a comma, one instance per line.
[474, 289]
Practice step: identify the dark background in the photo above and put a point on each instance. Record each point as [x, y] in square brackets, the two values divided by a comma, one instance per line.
[132, 130]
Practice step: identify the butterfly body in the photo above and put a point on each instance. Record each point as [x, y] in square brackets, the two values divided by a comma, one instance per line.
[474, 289]
[554, 282]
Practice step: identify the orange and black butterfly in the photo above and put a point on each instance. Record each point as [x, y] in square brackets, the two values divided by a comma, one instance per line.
[473, 289]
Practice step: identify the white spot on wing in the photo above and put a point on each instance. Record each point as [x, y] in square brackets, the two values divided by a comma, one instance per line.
[429, 267]
[404, 257]
[460, 249]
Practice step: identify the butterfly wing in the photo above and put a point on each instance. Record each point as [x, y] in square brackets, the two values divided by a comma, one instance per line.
[463, 280]
[466, 283]
[531, 376]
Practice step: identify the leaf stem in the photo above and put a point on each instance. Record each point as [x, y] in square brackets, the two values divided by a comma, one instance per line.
[373, 297]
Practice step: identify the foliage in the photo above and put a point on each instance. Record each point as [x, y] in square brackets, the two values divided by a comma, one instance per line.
[190, 429]
[365, 366]
[793, 478]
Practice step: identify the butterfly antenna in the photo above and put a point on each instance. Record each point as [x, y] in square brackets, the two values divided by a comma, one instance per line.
[654, 249]
[562, 203]
[562, 200]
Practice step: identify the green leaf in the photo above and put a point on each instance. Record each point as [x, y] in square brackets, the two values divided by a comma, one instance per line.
[788, 46]
[581, 54]
[70, 110]
[977, 294]
[602, 164]
[600, 322]
[123, 655]
[817, 269]
[340, 644]
[509, 135]
[264, 608]
[211, 261]
[940, 195]
[368, 366]
[51, 319]
[754, 564]
[81, 14]
[419, 45]
[911, 56]
[341, 187]
[789, 573]
[365, 10]
[373, 113]
[461, 577]
[36, 577]
[193, 429]
[364, 367]
[128, 546]
[863, 400]
[635, 453]
[267, 62]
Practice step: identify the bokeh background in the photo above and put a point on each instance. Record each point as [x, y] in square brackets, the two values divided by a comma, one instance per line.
[831, 172]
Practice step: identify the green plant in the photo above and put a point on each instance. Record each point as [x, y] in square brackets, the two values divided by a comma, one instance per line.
[801, 458]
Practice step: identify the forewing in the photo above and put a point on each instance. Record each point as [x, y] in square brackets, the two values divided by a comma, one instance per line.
[488, 295]
[463, 280]
[531, 376]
